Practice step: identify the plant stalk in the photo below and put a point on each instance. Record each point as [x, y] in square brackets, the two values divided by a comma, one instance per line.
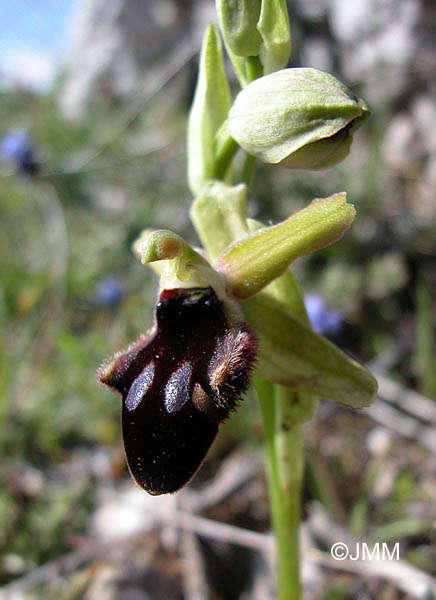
[285, 461]
[225, 152]
[248, 169]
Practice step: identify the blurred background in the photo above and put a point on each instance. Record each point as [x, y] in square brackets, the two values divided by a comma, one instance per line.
[93, 104]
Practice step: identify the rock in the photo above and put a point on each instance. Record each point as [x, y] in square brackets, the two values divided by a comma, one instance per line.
[112, 44]
[401, 147]
[377, 41]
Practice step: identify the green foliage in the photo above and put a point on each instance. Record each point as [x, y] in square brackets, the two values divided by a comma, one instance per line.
[60, 237]
[53, 332]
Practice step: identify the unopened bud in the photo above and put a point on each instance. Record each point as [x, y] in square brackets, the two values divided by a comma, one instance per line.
[238, 22]
[300, 118]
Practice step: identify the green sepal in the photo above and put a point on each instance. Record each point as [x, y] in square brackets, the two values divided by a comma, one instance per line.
[219, 215]
[292, 355]
[210, 107]
[254, 261]
[274, 28]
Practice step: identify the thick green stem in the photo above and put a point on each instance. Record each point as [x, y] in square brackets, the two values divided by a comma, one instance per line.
[248, 169]
[219, 216]
[284, 445]
[225, 151]
[284, 410]
[253, 68]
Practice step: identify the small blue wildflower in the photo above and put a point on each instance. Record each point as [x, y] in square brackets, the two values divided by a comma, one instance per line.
[17, 147]
[109, 291]
[14, 145]
[324, 321]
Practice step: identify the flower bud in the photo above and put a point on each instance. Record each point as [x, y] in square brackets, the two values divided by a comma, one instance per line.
[300, 118]
[238, 22]
[274, 28]
[256, 29]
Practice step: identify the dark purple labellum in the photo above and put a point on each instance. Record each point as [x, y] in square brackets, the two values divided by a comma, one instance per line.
[178, 384]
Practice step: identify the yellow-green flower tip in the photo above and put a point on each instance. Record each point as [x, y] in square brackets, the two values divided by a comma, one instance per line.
[252, 262]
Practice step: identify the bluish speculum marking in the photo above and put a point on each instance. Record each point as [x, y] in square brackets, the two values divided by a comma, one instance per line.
[139, 387]
[171, 410]
[177, 388]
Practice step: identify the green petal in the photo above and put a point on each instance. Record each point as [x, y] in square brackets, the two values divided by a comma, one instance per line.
[254, 261]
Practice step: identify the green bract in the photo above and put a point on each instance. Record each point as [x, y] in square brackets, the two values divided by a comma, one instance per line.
[209, 109]
[300, 118]
[219, 215]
